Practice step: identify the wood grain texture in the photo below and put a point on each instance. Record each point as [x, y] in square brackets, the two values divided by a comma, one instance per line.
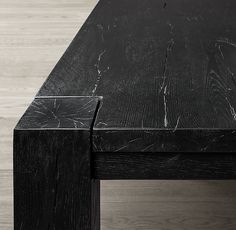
[195, 205]
[158, 65]
[188, 216]
[53, 185]
[155, 140]
[181, 166]
[31, 42]
[52, 113]
[6, 201]
[204, 205]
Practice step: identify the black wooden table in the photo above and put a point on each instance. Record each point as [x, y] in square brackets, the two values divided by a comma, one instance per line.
[146, 90]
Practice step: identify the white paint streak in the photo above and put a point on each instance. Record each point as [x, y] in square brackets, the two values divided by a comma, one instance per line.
[59, 124]
[221, 53]
[171, 27]
[149, 146]
[165, 107]
[21, 225]
[168, 50]
[39, 112]
[98, 71]
[75, 124]
[232, 110]
[55, 103]
[101, 123]
[123, 147]
[227, 42]
[81, 123]
[177, 123]
[131, 141]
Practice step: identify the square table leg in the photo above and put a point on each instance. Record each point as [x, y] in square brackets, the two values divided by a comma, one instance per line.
[53, 184]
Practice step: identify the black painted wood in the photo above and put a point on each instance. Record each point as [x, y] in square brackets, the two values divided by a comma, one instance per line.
[181, 166]
[59, 113]
[53, 184]
[201, 141]
[166, 65]
[146, 90]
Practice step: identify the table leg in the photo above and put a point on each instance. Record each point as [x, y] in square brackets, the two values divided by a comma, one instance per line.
[53, 187]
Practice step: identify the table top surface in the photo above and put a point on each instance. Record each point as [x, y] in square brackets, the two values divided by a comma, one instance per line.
[157, 67]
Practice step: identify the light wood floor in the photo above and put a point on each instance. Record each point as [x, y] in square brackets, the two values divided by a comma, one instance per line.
[33, 36]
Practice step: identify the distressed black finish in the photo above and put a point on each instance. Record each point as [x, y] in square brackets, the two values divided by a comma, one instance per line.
[181, 166]
[53, 113]
[156, 140]
[157, 64]
[146, 90]
[53, 184]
